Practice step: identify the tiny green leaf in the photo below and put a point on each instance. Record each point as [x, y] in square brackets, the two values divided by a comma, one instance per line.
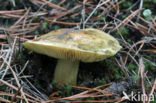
[45, 24]
[36, 33]
[147, 13]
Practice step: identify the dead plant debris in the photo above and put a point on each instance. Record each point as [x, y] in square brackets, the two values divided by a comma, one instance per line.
[21, 78]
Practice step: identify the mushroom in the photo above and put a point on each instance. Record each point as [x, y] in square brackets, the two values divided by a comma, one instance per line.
[70, 46]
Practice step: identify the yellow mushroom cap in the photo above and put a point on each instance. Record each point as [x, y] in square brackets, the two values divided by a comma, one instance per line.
[87, 45]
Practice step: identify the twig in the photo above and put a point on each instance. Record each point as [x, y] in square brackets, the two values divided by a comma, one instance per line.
[16, 79]
[19, 20]
[13, 97]
[15, 88]
[19, 97]
[125, 21]
[4, 100]
[14, 12]
[141, 72]
[48, 3]
[152, 91]
[99, 4]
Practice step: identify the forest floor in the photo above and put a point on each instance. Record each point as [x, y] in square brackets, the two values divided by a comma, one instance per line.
[127, 77]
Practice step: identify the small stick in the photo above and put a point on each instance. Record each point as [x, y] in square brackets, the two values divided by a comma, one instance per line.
[16, 79]
[17, 92]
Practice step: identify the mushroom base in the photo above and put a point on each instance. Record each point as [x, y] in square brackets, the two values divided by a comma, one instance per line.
[66, 72]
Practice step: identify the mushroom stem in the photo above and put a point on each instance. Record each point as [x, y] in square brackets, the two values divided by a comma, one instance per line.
[66, 72]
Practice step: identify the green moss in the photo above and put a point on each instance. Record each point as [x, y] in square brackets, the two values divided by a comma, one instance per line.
[123, 16]
[114, 69]
[102, 81]
[3, 88]
[149, 66]
[153, 101]
[102, 18]
[1, 75]
[126, 4]
[36, 32]
[35, 17]
[56, 27]
[73, 17]
[96, 12]
[20, 57]
[66, 90]
[123, 31]
[131, 66]
[44, 25]
[149, 4]
[37, 84]
[90, 99]
[135, 77]
[136, 70]
[54, 82]
[146, 5]
[129, 40]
